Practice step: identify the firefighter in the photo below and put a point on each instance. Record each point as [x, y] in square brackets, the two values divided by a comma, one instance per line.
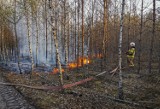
[130, 54]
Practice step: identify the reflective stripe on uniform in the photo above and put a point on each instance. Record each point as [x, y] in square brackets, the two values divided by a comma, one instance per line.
[131, 53]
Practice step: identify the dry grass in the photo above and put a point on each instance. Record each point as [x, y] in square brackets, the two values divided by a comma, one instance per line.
[144, 90]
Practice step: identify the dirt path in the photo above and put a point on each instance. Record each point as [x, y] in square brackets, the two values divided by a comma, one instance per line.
[2, 103]
[11, 99]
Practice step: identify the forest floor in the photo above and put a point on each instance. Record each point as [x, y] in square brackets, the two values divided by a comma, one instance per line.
[11, 98]
[141, 91]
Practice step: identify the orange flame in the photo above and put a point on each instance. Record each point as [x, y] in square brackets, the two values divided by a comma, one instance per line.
[73, 65]
[56, 70]
[99, 56]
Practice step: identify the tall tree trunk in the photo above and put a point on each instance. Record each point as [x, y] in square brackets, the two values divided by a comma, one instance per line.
[129, 26]
[75, 27]
[37, 39]
[78, 42]
[115, 28]
[104, 29]
[56, 40]
[1, 54]
[120, 86]
[57, 53]
[134, 12]
[159, 55]
[15, 30]
[3, 46]
[68, 38]
[82, 31]
[92, 26]
[88, 46]
[141, 29]
[5, 50]
[46, 29]
[152, 38]
[29, 36]
[65, 35]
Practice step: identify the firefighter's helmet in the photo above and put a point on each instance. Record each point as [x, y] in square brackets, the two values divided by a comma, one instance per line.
[132, 44]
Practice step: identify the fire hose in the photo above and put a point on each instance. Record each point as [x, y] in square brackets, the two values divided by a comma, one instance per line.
[59, 88]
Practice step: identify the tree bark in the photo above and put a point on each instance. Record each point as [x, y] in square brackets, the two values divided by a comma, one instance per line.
[65, 35]
[78, 41]
[105, 29]
[46, 29]
[82, 31]
[141, 29]
[129, 25]
[15, 30]
[152, 38]
[29, 36]
[37, 39]
[56, 41]
[120, 86]
[75, 27]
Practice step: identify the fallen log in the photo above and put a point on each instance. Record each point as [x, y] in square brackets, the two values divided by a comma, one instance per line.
[32, 87]
[113, 71]
[59, 87]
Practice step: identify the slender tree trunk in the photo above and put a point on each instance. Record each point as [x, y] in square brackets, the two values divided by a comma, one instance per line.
[120, 86]
[141, 29]
[152, 38]
[105, 29]
[6, 43]
[52, 58]
[82, 31]
[75, 50]
[101, 50]
[1, 45]
[5, 50]
[129, 25]
[57, 34]
[57, 53]
[68, 41]
[134, 12]
[37, 39]
[65, 35]
[91, 35]
[159, 55]
[29, 36]
[46, 28]
[2, 42]
[78, 42]
[56, 41]
[115, 28]
[15, 30]
[88, 46]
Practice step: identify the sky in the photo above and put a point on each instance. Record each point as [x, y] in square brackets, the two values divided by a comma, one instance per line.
[151, 5]
[148, 4]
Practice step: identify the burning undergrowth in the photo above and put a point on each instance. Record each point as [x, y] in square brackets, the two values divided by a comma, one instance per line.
[75, 64]
[25, 65]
